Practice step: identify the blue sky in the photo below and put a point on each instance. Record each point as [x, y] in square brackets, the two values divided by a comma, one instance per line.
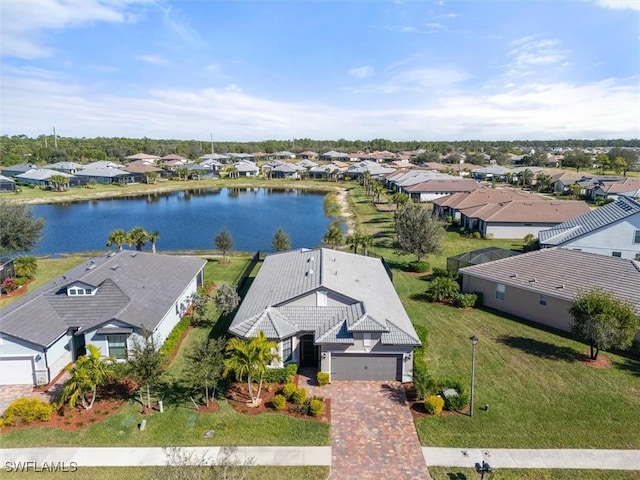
[257, 70]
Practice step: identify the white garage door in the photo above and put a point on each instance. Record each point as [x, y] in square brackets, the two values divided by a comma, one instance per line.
[366, 367]
[16, 371]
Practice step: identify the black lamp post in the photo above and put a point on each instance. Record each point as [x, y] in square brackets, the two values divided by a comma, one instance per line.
[483, 468]
[474, 341]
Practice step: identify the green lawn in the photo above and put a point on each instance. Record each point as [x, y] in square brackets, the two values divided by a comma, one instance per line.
[152, 473]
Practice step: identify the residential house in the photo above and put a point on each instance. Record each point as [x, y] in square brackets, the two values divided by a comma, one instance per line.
[612, 229]
[246, 169]
[306, 164]
[331, 310]
[589, 184]
[492, 172]
[108, 301]
[141, 169]
[218, 157]
[270, 165]
[286, 170]
[7, 184]
[515, 219]
[41, 177]
[144, 157]
[239, 157]
[375, 170]
[66, 167]
[308, 155]
[540, 286]
[284, 155]
[629, 187]
[104, 173]
[333, 155]
[13, 170]
[435, 188]
[563, 180]
[452, 205]
[328, 171]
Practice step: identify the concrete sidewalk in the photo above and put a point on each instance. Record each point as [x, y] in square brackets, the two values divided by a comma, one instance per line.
[156, 456]
[533, 458]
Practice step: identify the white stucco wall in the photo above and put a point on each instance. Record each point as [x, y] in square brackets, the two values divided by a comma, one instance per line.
[615, 238]
[504, 230]
[59, 355]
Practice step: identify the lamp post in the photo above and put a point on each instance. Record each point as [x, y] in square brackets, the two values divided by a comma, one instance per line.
[474, 341]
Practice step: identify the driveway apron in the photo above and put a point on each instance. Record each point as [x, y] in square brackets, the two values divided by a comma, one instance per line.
[372, 432]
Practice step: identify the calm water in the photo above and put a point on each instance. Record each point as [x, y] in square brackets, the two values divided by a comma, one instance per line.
[187, 220]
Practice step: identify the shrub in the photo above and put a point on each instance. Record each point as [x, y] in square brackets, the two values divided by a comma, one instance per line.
[488, 236]
[299, 396]
[419, 267]
[27, 410]
[476, 235]
[465, 300]
[9, 284]
[442, 289]
[316, 407]
[288, 390]
[281, 375]
[433, 404]
[323, 378]
[449, 219]
[171, 343]
[422, 381]
[438, 272]
[279, 402]
[453, 402]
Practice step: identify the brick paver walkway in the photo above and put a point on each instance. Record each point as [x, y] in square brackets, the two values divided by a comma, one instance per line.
[372, 432]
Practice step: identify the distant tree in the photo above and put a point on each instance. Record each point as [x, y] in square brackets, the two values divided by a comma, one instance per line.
[429, 156]
[199, 302]
[538, 158]
[25, 266]
[137, 236]
[153, 238]
[281, 241]
[226, 298]
[577, 159]
[334, 236]
[145, 363]
[366, 241]
[59, 182]
[117, 238]
[603, 161]
[151, 177]
[400, 199]
[223, 242]
[603, 320]
[20, 231]
[87, 374]
[631, 157]
[544, 182]
[417, 232]
[249, 359]
[204, 365]
[619, 165]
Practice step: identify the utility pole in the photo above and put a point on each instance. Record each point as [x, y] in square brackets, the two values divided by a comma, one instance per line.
[55, 137]
[212, 152]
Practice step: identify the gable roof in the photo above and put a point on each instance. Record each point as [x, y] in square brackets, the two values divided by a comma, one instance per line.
[484, 196]
[444, 185]
[370, 302]
[553, 272]
[589, 222]
[42, 174]
[534, 212]
[135, 288]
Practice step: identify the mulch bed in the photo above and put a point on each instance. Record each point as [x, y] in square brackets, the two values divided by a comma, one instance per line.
[600, 362]
[416, 407]
[21, 290]
[238, 397]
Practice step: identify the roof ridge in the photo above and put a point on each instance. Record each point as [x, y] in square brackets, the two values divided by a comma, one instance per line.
[402, 330]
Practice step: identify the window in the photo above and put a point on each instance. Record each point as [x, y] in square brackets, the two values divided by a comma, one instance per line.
[616, 254]
[543, 300]
[286, 350]
[321, 299]
[636, 237]
[366, 341]
[117, 346]
[78, 291]
[499, 292]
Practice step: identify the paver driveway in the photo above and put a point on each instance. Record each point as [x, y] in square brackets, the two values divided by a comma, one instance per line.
[372, 432]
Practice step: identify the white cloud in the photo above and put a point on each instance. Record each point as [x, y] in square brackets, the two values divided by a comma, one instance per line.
[619, 4]
[401, 78]
[361, 72]
[25, 22]
[153, 59]
[527, 54]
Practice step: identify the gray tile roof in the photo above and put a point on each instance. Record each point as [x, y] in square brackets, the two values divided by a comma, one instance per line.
[590, 222]
[136, 288]
[369, 300]
[41, 174]
[563, 273]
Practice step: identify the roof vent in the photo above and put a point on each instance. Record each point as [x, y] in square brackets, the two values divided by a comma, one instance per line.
[111, 254]
[513, 275]
[115, 267]
[533, 280]
[134, 254]
[91, 267]
[310, 272]
[561, 286]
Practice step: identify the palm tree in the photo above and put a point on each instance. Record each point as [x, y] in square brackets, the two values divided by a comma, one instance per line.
[334, 236]
[400, 199]
[544, 182]
[153, 238]
[353, 240]
[232, 171]
[365, 242]
[249, 359]
[137, 236]
[118, 238]
[59, 182]
[87, 374]
[25, 266]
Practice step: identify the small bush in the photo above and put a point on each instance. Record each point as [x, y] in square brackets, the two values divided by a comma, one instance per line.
[442, 289]
[488, 236]
[279, 402]
[27, 410]
[449, 219]
[433, 404]
[323, 378]
[465, 300]
[299, 396]
[453, 402]
[419, 267]
[476, 235]
[288, 390]
[316, 407]
[438, 272]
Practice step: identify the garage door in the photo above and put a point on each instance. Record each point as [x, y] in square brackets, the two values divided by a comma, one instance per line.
[366, 367]
[16, 371]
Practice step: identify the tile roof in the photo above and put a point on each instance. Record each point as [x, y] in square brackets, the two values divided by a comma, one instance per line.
[455, 184]
[484, 196]
[563, 273]
[589, 222]
[534, 212]
[136, 288]
[368, 299]
[41, 174]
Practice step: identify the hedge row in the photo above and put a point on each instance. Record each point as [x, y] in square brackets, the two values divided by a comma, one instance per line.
[171, 343]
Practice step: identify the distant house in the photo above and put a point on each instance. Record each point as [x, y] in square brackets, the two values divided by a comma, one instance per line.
[333, 155]
[238, 157]
[286, 170]
[13, 170]
[307, 155]
[247, 169]
[327, 171]
[492, 172]
[105, 174]
[330, 310]
[453, 204]
[66, 167]
[562, 181]
[436, 188]
[306, 163]
[7, 184]
[517, 219]
[144, 157]
[106, 302]
[613, 229]
[375, 170]
[41, 177]
[540, 286]
[218, 157]
[284, 155]
[140, 169]
[629, 187]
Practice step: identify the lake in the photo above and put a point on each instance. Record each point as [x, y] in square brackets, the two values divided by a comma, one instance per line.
[187, 220]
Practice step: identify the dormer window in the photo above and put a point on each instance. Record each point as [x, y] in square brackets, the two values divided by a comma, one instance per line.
[80, 290]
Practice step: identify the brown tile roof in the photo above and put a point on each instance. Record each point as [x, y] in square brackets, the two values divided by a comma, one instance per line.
[530, 212]
[444, 185]
[563, 273]
[484, 196]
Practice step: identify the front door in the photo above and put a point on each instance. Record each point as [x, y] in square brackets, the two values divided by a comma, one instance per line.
[79, 347]
[308, 352]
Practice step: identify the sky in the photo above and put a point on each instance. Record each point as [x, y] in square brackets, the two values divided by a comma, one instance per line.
[239, 71]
